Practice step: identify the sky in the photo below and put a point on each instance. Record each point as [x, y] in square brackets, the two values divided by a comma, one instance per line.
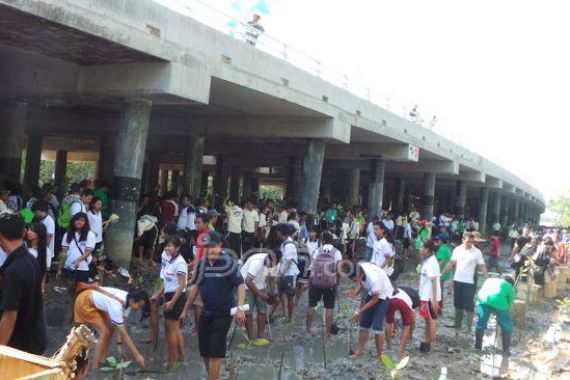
[495, 73]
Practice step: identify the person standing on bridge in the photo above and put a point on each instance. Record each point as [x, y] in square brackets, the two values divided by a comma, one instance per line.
[254, 30]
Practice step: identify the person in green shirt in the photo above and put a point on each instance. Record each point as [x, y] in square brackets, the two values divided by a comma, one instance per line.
[213, 214]
[497, 295]
[331, 214]
[443, 257]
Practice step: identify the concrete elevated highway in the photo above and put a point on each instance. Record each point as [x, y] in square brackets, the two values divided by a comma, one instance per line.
[145, 90]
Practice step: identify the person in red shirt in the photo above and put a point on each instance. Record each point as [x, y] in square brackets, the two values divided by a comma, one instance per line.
[168, 209]
[494, 253]
[201, 222]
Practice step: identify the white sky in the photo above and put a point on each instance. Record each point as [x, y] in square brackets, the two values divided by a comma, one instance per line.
[494, 72]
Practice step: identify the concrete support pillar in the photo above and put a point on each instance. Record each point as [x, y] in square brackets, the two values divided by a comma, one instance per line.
[153, 173]
[460, 198]
[175, 186]
[505, 212]
[193, 166]
[483, 204]
[294, 179]
[106, 158]
[401, 196]
[311, 172]
[326, 186]
[204, 184]
[33, 161]
[221, 181]
[235, 183]
[516, 210]
[126, 182]
[13, 121]
[164, 174]
[255, 188]
[60, 170]
[376, 187]
[247, 181]
[353, 198]
[428, 197]
[496, 207]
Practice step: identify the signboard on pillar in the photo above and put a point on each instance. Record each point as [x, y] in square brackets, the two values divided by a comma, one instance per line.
[413, 153]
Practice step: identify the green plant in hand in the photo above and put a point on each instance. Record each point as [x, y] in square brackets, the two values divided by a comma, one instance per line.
[393, 367]
[563, 305]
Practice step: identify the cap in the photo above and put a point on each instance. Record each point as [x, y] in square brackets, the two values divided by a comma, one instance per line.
[443, 237]
[213, 213]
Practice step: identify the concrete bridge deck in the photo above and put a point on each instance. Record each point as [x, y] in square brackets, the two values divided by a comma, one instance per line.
[112, 72]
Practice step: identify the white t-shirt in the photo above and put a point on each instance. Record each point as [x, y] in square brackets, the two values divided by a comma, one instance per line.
[117, 313]
[312, 246]
[182, 222]
[297, 226]
[404, 297]
[3, 256]
[407, 231]
[326, 248]
[74, 251]
[467, 261]
[249, 220]
[376, 281]
[255, 267]
[371, 236]
[235, 216]
[287, 267]
[50, 227]
[283, 216]
[77, 207]
[49, 255]
[96, 225]
[389, 224]
[497, 227]
[169, 273]
[262, 220]
[382, 250]
[354, 230]
[430, 270]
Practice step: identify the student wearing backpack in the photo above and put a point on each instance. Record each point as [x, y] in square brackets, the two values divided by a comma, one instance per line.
[325, 269]
[77, 245]
[311, 245]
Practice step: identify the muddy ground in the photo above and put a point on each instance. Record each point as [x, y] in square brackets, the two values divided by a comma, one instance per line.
[299, 356]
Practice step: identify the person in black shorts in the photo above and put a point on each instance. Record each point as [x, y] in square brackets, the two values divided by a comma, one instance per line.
[216, 278]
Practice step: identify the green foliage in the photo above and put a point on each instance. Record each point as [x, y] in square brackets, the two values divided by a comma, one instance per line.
[563, 305]
[271, 192]
[561, 205]
[113, 365]
[393, 367]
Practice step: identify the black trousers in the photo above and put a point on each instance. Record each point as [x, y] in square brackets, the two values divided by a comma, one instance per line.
[235, 243]
[464, 296]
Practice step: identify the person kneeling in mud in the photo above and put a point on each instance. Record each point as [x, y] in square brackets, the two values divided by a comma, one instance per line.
[404, 300]
[375, 282]
[497, 295]
[103, 309]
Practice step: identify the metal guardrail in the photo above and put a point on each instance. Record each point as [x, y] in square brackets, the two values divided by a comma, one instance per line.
[227, 24]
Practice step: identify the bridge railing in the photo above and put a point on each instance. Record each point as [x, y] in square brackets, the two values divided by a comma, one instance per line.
[230, 25]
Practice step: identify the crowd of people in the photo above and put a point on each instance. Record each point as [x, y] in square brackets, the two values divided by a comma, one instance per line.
[257, 258]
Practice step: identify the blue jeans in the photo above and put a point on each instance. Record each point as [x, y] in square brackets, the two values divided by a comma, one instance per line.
[368, 253]
[504, 318]
[374, 317]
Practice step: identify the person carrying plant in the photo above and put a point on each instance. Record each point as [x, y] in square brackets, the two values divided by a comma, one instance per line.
[497, 296]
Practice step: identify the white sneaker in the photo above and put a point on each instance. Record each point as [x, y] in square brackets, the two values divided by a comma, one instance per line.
[124, 272]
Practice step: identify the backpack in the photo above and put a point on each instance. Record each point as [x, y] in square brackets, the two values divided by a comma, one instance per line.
[27, 215]
[323, 273]
[64, 215]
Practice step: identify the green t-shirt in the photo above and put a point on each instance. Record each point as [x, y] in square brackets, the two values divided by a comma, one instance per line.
[496, 293]
[444, 254]
[211, 227]
[330, 215]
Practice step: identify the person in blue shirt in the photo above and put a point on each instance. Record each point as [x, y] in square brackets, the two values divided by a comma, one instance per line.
[216, 279]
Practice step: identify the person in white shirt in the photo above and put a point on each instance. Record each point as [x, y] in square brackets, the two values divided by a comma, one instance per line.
[255, 271]
[97, 306]
[404, 300]
[183, 222]
[496, 227]
[406, 235]
[287, 269]
[326, 255]
[4, 194]
[250, 224]
[81, 206]
[36, 237]
[375, 282]
[174, 275]
[77, 245]
[284, 215]
[388, 222]
[465, 258]
[384, 251]
[40, 210]
[96, 223]
[430, 293]
[371, 238]
[235, 218]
